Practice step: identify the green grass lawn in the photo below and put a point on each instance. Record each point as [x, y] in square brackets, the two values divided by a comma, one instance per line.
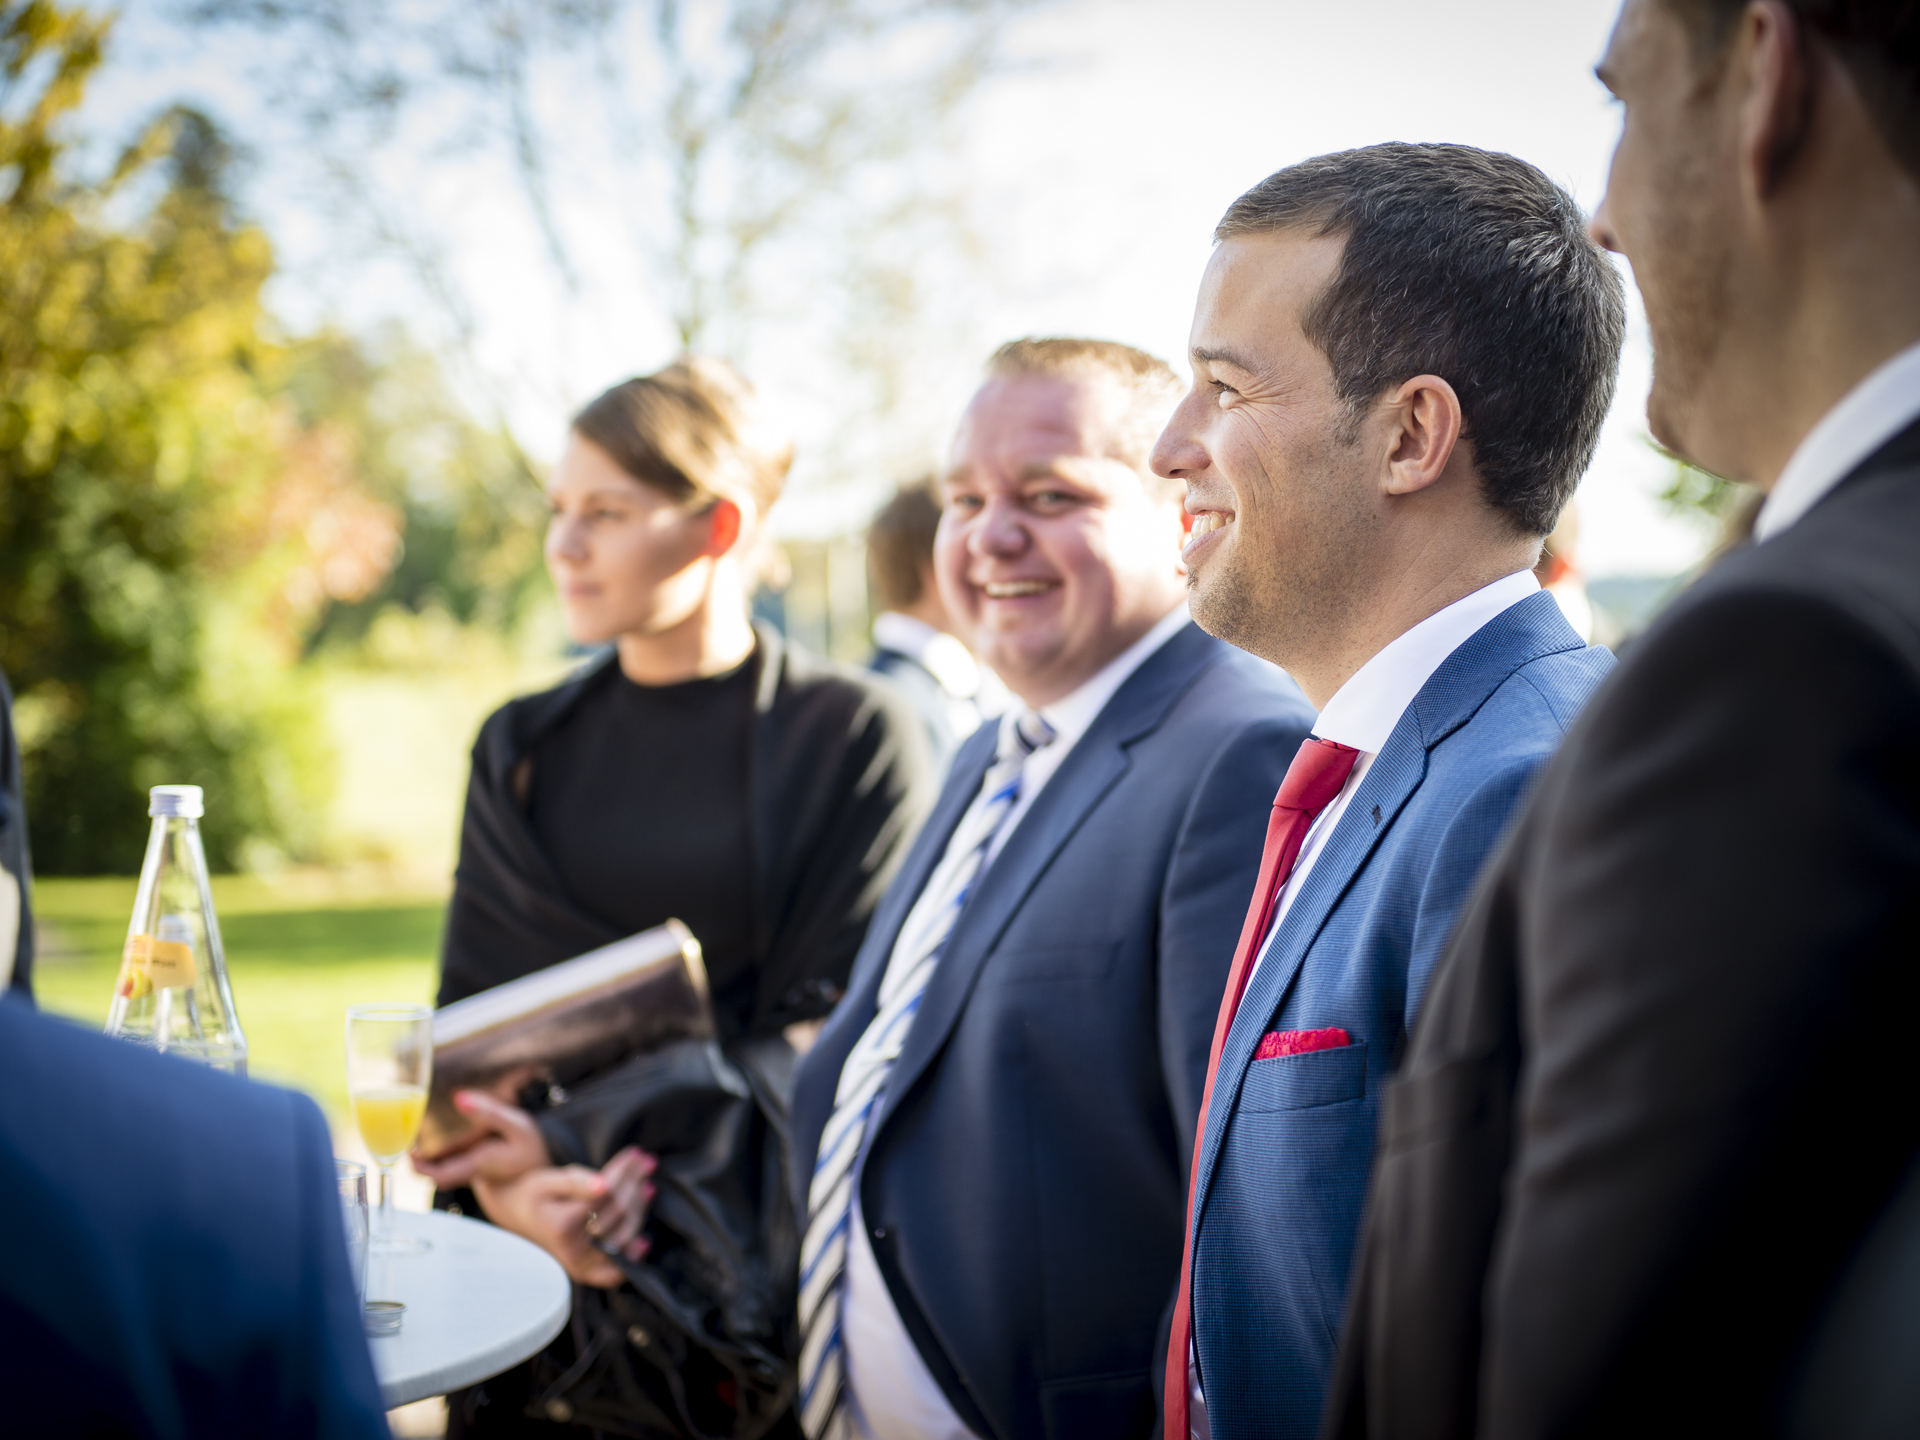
[299, 951]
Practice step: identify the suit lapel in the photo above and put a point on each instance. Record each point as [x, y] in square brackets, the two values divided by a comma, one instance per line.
[1390, 782]
[1094, 767]
[1517, 636]
[855, 1012]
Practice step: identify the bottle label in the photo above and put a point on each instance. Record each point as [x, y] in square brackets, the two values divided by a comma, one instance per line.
[161, 964]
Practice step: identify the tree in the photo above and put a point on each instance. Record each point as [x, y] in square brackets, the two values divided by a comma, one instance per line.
[765, 172]
[170, 528]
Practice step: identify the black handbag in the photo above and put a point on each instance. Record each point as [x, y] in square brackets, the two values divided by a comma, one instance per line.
[699, 1344]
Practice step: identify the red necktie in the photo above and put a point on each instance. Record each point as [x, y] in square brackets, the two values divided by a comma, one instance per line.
[1318, 773]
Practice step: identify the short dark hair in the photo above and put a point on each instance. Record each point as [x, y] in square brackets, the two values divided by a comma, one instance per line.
[1472, 266]
[1877, 40]
[900, 544]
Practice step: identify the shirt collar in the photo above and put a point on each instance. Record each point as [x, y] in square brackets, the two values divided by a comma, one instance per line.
[1363, 712]
[1074, 713]
[943, 657]
[1869, 415]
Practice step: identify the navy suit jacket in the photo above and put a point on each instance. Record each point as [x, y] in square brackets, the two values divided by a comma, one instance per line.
[1284, 1163]
[1027, 1170]
[172, 1261]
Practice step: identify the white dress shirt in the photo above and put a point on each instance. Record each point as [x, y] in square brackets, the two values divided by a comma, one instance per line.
[1869, 415]
[891, 1395]
[1363, 713]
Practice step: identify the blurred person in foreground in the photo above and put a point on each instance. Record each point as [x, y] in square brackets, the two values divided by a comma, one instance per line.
[990, 1137]
[913, 641]
[172, 1263]
[16, 864]
[702, 770]
[1662, 1086]
[1402, 358]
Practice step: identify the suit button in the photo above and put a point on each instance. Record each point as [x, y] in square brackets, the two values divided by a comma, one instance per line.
[879, 1232]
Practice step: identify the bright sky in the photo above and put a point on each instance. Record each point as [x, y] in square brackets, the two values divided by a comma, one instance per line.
[1095, 178]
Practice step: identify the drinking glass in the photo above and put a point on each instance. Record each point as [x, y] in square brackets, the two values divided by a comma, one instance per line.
[389, 1066]
[352, 1176]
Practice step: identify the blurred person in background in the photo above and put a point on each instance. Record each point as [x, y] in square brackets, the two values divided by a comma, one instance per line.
[702, 770]
[913, 641]
[1662, 1088]
[1402, 358]
[990, 1137]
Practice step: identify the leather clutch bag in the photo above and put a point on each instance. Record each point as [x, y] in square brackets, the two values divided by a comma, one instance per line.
[564, 1023]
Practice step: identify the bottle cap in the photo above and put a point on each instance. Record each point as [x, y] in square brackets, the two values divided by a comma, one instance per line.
[186, 801]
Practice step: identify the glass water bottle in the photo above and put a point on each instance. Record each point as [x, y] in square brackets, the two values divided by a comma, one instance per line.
[172, 992]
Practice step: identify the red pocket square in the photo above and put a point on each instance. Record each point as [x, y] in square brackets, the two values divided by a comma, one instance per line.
[1298, 1042]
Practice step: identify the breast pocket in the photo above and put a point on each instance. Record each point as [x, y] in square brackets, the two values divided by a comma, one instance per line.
[1300, 1082]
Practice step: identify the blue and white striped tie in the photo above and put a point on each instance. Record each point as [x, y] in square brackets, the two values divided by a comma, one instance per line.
[922, 939]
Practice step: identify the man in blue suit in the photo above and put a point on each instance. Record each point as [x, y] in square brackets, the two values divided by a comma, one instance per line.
[1402, 357]
[172, 1263]
[991, 1134]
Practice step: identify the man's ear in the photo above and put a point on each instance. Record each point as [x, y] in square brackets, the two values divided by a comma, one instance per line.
[1776, 111]
[1426, 421]
[724, 525]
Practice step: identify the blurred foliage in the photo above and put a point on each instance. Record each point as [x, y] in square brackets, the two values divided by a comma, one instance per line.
[470, 511]
[187, 503]
[1695, 492]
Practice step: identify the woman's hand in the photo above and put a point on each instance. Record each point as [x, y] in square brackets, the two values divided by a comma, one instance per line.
[569, 1211]
[509, 1146]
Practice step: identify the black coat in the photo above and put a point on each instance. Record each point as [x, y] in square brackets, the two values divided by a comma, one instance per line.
[1662, 1085]
[840, 782]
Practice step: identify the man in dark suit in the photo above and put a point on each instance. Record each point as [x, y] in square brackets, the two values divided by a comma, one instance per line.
[1661, 1089]
[172, 1263]
[991, 1134]
[1402, 356]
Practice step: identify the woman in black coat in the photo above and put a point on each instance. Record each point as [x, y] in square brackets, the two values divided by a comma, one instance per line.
[702, 770]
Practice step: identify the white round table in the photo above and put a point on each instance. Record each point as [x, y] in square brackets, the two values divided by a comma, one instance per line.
[481, 1300]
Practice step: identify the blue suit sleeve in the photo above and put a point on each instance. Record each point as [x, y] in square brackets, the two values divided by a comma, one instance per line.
[1477, 825]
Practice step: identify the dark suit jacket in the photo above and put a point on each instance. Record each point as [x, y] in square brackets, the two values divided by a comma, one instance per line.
[928, 697]
[1289, 1142]
[172, 1262]
[1663, 1082]
[1027, 1172]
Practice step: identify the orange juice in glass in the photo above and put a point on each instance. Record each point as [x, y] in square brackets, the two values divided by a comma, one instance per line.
[389, 1067]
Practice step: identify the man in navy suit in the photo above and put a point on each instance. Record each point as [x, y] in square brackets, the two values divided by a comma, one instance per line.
[991, 1134]
[1402, 357]
[172, 1263]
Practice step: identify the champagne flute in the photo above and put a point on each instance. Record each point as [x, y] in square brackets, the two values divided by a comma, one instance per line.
[389, 1066]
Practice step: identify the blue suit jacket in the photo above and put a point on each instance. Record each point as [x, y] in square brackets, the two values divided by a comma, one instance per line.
[1027, 1171]
[172, 1261]
[1289, 1142]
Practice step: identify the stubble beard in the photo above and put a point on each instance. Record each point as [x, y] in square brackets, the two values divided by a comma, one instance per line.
[1293, 605]
[1686, 289]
